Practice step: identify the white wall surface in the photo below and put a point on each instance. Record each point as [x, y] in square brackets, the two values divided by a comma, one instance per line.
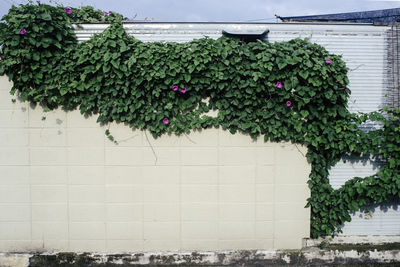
[65, 187]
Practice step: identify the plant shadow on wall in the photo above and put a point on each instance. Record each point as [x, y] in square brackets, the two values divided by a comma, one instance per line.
[285, 91]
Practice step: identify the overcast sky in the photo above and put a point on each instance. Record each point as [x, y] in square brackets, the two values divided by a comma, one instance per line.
[221, 10]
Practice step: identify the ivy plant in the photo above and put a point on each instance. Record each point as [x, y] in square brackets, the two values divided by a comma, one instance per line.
[284, 91]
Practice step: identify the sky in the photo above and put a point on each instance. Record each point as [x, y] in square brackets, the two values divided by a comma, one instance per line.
[220, 10]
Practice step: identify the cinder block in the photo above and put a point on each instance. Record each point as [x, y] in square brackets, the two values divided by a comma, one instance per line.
[287, 153]
[123, 175]
[198, 156]
[237, 174]
[86, 212]
[157, 175]
[238, 156]
[15, 212]
[125, 136]
[199, 230]
[86, 156]
[13, 118]
[59, 245]
[260, 142]
[292, 228]
[199, 211]
[286, 174]
[161, 156]
[48, 156]
[14, 156]
[14, 175]
[265, 244]
[161, 193]
[5, 83]
[265, 211]
[50, 212]
[52, 119]
[265, 193]
[161, 212]
[226, 139]
[288, 243]
[199, 193]
[265, 155]
[264, 229]
[199, 175]
[166, 140]
[125, 230]
[265, 174]
[14, 137]
[291, 193]
[242, 244]
[77, 120]
[47, 137]
[236, 230]
[237, 212]
[161, 244]
[16, 245]
[85, 137]
[48, 193]
[87, 193]
[50, 230]
[203, 138]
[86, 175]
[48, 175]
[14, 194]
[124, 156]
[237, 193]
[15, 230]
[98, 245]
[124, 212]
[161, 230]
[125, 194]
[291, 211]
[87, 231]
[199, 244]
[124, 246]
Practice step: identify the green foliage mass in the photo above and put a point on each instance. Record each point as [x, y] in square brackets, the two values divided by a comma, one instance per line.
[285, 91]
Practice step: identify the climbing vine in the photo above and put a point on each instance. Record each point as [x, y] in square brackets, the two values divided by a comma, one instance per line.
[284, 91]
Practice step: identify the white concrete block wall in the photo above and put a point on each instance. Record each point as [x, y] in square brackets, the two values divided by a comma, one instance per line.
[65, 187]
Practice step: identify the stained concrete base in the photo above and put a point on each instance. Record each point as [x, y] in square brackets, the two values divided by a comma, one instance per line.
[312, 256]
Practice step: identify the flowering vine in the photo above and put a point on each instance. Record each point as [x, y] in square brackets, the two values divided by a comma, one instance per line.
[284, 91]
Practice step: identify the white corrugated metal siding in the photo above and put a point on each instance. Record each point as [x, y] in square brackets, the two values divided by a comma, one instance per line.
[364, 49]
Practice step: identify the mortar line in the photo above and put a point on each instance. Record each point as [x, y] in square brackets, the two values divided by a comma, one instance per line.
[143, 185]
[105, 219]
[274, 197]
[180, 193]
[218, 189]
[68, 181]
[29, 173]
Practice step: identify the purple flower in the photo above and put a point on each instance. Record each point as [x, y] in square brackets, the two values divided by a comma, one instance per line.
[68, 10]
[288, 103]
[183, 90]
[278, 85]
[328, 61]
[165, 121]
[175, 88]
[22, 31]
[105, 13]
[109, 12]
